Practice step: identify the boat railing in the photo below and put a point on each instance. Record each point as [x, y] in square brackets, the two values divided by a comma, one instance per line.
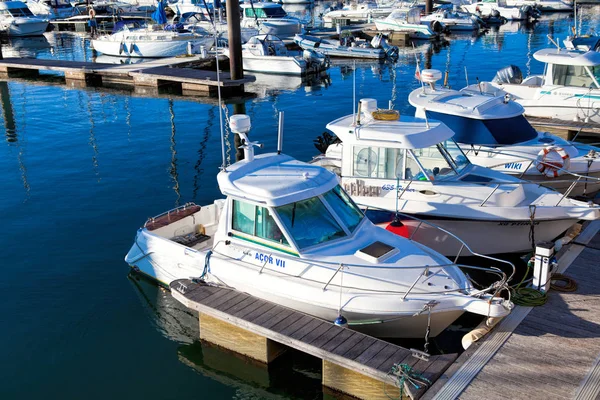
[173, 210]
[495, 288]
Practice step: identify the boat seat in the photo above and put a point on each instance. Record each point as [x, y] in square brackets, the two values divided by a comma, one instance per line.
[191, 239]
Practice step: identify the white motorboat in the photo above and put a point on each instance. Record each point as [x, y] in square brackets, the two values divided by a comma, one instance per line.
[543, 5]
[414, 166]
[181, 7]
[493, 133]
[569, 89]
[408, 20]
[348, 46]
[200, 23]
[358, 12]
[453, 20]
[288, 233]
[17, 20]
[268, 54]
[152, 41]
[51, 9]
[500, 8]
[270, 19]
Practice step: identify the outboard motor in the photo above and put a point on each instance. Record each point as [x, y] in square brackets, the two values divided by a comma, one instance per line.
[379, 41]
[318, 62]
[531, 11]
[511, 74]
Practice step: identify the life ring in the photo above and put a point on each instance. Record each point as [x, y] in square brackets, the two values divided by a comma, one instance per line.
[552, 168]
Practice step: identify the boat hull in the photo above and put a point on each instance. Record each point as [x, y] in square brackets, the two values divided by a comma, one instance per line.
[149, 49]
[166, 261]
[26, 27]
[414, 31]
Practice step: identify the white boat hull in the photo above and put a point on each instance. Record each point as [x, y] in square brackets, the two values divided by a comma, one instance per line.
[413, 30]
[166, 261]
[274, 64]
[149, 48]
[510, 13]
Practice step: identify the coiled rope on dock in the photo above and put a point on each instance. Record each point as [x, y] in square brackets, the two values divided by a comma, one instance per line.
[403, 373]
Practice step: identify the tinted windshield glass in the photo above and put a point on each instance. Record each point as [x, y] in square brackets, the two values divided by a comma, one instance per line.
[344, 207]
[487, 132]
[309, 222]
[442, 160]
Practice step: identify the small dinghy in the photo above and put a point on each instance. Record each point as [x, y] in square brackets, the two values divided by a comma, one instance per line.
[286, 232]
[268, 54]
[348, 46]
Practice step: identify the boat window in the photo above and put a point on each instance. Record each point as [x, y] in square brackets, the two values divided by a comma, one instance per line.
[309, 222]
[442, 160]
[344, 207]
[487, 132]
[21, 12]
[574, 75]
[256, 221]
[275, 12]
[378, 162]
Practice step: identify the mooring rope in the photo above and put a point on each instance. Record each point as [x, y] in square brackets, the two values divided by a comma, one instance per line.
[404, 373]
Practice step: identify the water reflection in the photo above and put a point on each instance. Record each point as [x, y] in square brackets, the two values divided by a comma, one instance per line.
[268, 85]
[8, 113]
[173, 168]
[202, 150]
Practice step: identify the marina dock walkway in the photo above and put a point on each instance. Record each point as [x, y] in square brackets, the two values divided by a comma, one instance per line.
[352, 362]
[546, 352]
[153, 73]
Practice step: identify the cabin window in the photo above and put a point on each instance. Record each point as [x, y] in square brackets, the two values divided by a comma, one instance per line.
[309, 222]
[256, 221]
[344, 207]
[21, 12]
[377, 162]
[574, 75]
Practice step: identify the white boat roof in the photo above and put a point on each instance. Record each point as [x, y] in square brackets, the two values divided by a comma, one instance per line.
[8, 5]
[261, 5]
[275, 180]
[406, 133]
[464, 103]
[568, 57]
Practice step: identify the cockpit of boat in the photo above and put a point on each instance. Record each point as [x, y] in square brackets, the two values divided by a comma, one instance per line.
[298, 225]
[576, 75]
[442, 160]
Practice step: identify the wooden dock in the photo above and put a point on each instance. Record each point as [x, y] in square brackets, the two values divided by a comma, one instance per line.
[193, 82]
[546, 352]
[565, 129]
[353, 363]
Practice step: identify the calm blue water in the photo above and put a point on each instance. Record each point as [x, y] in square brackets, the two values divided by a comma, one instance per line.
[83, 169]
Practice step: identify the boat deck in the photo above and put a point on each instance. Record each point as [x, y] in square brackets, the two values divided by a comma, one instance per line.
[565, 129]
[341, 347]
[546, 352]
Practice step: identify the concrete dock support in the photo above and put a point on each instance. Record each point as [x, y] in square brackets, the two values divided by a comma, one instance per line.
[239, 340]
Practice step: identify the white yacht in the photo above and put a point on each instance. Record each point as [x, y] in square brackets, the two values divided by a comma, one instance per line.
[408, 20]
[286, 232]
[51, 9]
[569, 89]
[358, 12]
[414, 166]
[200, 23]
[150, 42]
[453, 20]
[493, 133]
[268, 54]
[181, 7]
[270, 19]
[500, 8]
[544, 5]
[17, 20]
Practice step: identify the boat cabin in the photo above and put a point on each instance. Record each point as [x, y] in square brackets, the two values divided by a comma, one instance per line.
[569, 68]
[283, 204]
[409, 15]
[410, 149]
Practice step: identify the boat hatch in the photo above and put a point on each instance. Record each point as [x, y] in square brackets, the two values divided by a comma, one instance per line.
[377, 252]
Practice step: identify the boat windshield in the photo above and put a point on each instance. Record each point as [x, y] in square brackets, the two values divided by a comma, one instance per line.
[271, 12]
[487, 132]
[576, 75]
[18, 12]
[310, 222]
[442, 160]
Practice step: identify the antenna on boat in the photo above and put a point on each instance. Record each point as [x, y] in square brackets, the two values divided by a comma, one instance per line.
[280, 133]
[221, 105]
[554, 42]
[354, 90]
[426, 119]
[466, 75]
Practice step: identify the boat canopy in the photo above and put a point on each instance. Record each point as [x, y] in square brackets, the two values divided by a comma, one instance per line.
[275, 180]
[568, 57]
[408, 133]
